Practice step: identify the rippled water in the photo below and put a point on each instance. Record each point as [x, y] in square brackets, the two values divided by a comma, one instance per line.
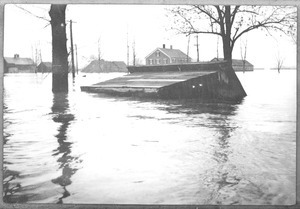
[91, 148]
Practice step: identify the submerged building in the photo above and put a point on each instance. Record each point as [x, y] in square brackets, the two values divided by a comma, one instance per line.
[103, 66]
[238, 65]
[18, 64]
[211, 80]
[44, 67]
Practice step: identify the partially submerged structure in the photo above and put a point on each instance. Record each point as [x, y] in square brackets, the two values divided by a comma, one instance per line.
[17, 64]
[102, 66]
[44, 67]
[238, 65]
[211, 80]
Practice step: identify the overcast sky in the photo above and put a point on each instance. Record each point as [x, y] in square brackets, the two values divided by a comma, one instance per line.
[147, 25]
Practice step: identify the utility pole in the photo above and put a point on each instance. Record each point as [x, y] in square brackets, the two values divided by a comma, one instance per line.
[76, 58]
[99, 55]
[127, 48]
[72, 50]
[197, 45]
[218, 48]
[133, 52]
[188, 49]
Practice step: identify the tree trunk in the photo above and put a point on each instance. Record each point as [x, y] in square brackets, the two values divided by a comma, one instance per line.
[59, 48]
[227, 47]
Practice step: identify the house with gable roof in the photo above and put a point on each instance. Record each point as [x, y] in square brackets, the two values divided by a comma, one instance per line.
[164, 56]
[17, 64]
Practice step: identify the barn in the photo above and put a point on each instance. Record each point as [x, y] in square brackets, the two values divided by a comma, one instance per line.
[44, 67]
[103, 66]
[17, 64]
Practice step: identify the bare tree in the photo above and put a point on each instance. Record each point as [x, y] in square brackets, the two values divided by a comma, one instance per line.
[99, 54]
[243, 51]
[59, 45]
[231, 22]
[279, 61]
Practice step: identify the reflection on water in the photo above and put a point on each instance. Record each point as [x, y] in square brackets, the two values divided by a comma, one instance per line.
[60, 113]
[91, 148]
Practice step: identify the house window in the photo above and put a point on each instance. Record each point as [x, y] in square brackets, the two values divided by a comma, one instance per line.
[157, 54]
[173, 60]
[150, 62]
[165, 61]
[157, 61]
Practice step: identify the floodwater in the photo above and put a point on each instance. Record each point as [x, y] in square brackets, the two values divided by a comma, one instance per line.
[90, 148]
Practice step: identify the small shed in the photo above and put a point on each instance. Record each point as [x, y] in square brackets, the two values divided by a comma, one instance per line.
[103, 66]
[238, 65]
[211, 80]
[44, 67]
[17, 64]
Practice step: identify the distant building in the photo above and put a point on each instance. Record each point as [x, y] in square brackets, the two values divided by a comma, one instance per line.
[103, 66]
[238, 65]
[164, 56]
[18, 65]
[44, 67]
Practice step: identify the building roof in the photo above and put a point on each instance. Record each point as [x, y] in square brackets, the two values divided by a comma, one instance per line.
[19, 61]
[150, 80]
[97, 66]
[235, 62]
[171, 53]
[47, 64]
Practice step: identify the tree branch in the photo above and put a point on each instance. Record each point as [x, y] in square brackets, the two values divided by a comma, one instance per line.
[43, 18]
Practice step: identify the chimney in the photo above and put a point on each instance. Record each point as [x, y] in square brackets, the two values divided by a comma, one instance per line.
[171, 47]
[164, 46]
[16, 56]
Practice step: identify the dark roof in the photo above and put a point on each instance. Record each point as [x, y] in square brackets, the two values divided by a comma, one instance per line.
[105, 66]
[173, 53]
[183, 67]
[47, 64]
[235, 62]
[19, 61]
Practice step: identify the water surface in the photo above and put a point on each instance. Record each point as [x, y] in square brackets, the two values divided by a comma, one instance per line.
[91, 148]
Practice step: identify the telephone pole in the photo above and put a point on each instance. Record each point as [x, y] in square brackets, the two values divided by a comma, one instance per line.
[133, 52]
[99, 55]
[76, 58]
[188, 49]
[218, 48]
[197, 45]
[72, 50]
[127, 48]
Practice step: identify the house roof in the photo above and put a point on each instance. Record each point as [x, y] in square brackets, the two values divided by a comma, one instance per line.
[234, 61]
[171, 53]
[19, 61]
[97, 66]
